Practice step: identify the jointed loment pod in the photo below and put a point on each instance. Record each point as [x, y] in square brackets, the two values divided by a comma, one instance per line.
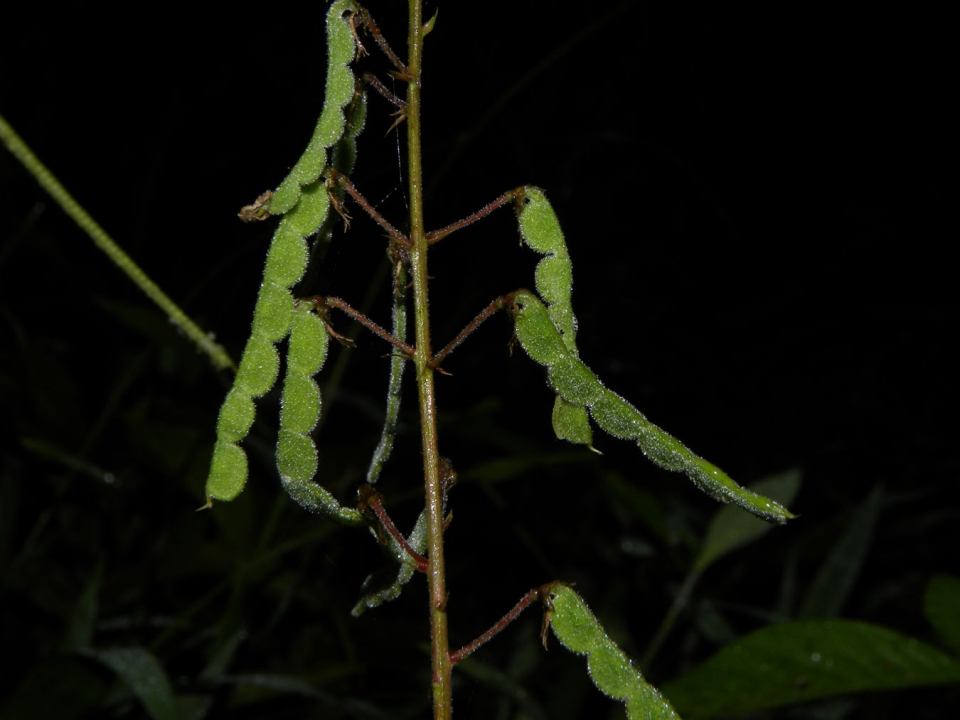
[304, 202]
[612, 671]
[548, 334]
[299, 413]
[545, 326]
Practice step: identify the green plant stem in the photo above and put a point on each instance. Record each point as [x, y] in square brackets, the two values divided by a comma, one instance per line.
[102, 240]
[439, 642]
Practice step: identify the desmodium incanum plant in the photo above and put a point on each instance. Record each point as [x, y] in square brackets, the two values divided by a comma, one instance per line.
[309, 203]
[545, 327]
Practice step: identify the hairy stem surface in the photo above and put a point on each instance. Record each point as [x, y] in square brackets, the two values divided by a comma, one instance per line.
[442, 701]
[218, 356]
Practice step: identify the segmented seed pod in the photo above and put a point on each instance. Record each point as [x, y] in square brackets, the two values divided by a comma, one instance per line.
[547, 333]
[541, 231]
[259, 366]
[611, 670]
[385, 586]
[395, 384]
[340, 90]
[299, 413]
[303, 200]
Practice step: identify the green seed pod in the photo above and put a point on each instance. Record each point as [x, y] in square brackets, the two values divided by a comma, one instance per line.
[611, 670]
[345, 151]
[574, 381]
[554, 274]
[397, 363]
[306, 217]
[547, 335]
[535, 330]
[308, 344]
[340, 90]
[258, 367]
[287, 256]
[616, 416]
[296, 458]
[315, 498]
[299, 413]
[300, 404]
[384, 587]
[236, 417]
[304, 200]
[539, 224]
[570, 422]
[554, 278]
[228, 471]
[273, 312]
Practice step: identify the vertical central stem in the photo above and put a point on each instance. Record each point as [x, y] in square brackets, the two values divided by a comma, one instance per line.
[442, 702]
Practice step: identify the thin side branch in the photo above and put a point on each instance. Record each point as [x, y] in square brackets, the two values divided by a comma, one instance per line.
[491, 309]
[467, 650]
[371, 499]
[342, 306]
[436, 236]
[352, 191]
[401, 113]
[374, 82]
[371, 25]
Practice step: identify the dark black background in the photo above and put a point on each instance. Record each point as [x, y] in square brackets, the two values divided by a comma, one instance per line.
[758, 203]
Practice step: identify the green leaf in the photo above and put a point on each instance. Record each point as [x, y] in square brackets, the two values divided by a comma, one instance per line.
[839, 571]
[941, 603]
[807, 660]
[732, 528]
[143, 674]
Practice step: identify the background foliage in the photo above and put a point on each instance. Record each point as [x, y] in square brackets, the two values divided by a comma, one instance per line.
[754, 207]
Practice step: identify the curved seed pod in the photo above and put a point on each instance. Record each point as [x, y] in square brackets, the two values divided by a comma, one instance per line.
[340, 90]
[611, 670]
[577, 386]
[228, 471]
[540, 229]
[272, 316]
[344, 157]
[236, 417]
[299, 413]
[345, 149]
[574, 381]
[535, 330]
[621, 419]
[395, 384]
[384, 587]
[302, 198]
